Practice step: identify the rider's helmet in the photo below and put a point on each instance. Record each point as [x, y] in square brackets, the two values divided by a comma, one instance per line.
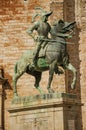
[44, 15]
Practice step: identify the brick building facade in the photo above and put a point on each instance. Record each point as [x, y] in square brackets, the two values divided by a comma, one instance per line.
[15, 18]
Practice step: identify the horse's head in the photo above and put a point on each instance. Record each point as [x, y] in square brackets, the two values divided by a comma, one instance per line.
[63, 27]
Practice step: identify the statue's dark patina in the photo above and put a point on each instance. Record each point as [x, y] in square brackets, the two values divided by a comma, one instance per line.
[55, 55]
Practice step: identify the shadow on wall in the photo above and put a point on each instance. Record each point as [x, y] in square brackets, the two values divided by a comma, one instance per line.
[5, 85]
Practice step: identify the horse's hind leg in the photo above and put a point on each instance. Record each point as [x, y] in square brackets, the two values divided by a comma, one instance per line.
[37, 81]
[51, 73]
[72, 68]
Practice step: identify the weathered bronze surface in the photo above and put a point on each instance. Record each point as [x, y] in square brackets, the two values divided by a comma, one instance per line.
[43, 28]
[50, 54]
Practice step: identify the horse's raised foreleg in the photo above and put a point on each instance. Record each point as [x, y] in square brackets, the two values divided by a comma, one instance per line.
[72, 68]
[51, 73]
[37, 81]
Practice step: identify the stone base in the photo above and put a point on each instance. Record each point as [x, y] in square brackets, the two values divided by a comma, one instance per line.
[58, 111]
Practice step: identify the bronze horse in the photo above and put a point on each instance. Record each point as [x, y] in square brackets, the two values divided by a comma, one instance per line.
[55, 55]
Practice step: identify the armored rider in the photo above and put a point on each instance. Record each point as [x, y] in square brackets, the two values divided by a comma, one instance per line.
[42, 27]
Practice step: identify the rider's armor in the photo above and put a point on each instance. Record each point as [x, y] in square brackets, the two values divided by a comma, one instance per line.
[43, 28]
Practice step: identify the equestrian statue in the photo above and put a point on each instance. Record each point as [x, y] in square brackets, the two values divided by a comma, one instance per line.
[49, 54]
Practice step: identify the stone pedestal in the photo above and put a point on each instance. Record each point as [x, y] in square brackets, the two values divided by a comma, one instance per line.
[58, 111]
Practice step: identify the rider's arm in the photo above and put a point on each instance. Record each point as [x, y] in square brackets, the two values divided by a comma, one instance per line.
[30, 30]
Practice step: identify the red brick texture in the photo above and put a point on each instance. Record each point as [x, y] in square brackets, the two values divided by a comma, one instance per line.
[15, 18]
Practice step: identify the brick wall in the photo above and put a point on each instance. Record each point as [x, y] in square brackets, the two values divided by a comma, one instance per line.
[15, 18]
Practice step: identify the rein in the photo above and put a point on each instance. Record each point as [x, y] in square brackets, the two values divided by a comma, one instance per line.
[57, 41]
